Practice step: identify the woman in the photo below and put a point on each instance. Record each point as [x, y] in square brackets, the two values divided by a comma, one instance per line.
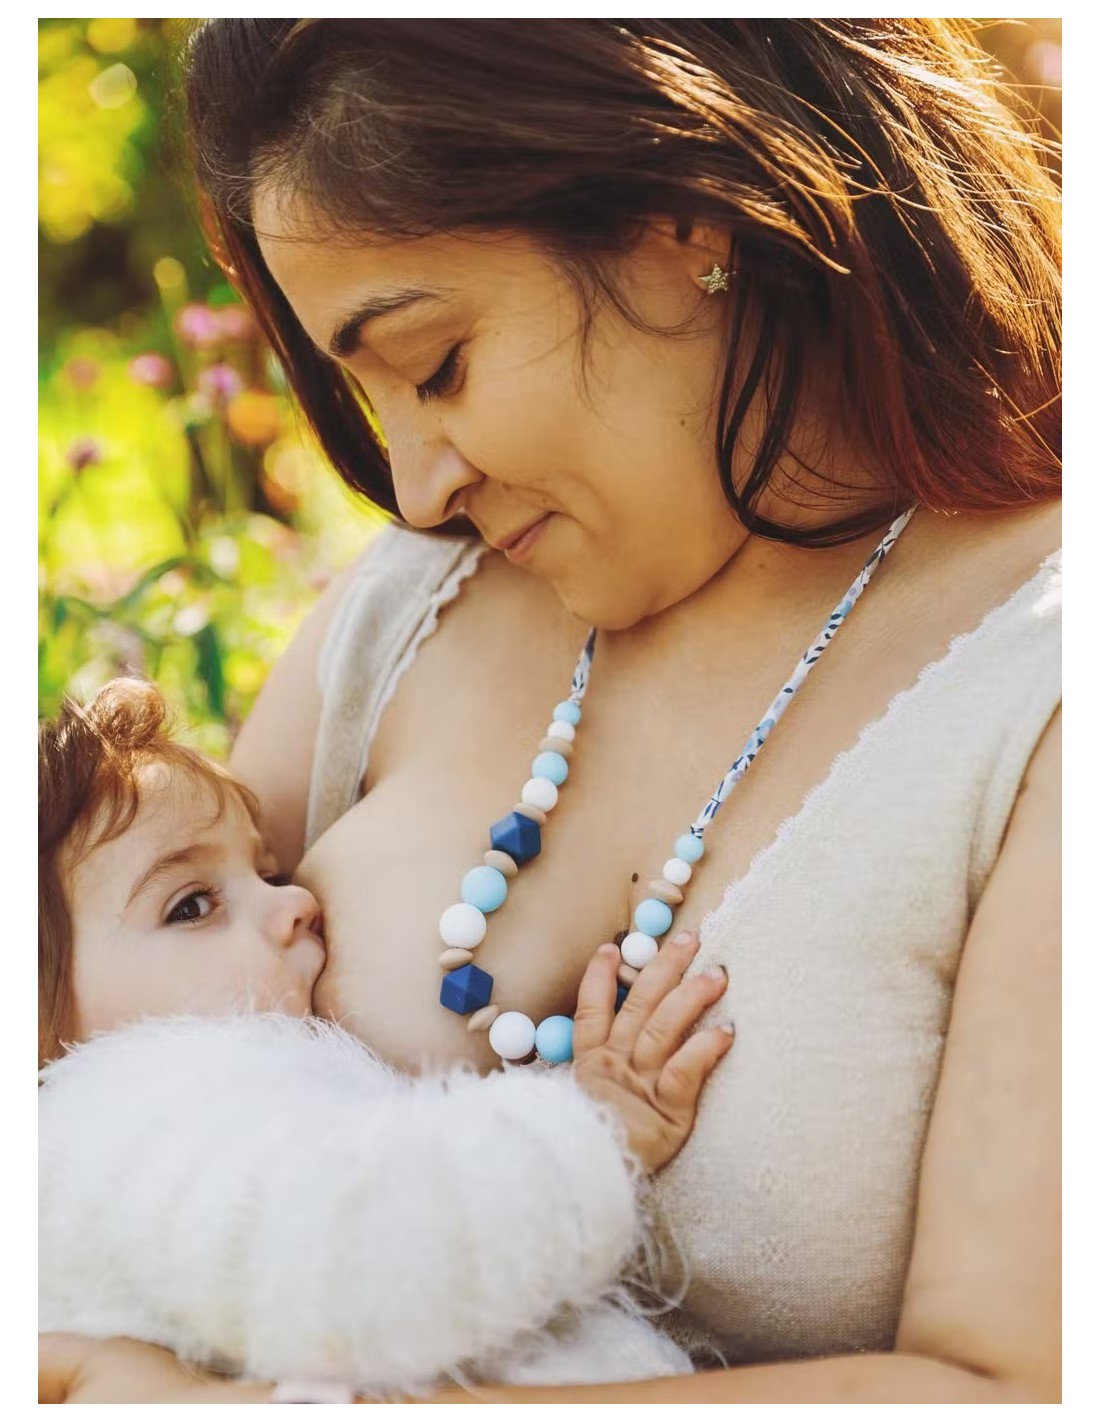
[681, 317]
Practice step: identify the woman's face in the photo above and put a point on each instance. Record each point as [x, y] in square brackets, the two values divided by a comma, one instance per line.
[493, 403]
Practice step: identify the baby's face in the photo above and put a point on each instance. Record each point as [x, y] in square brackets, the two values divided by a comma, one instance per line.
[184, 913]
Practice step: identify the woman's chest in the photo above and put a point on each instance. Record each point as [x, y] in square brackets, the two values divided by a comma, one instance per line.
[660, 727]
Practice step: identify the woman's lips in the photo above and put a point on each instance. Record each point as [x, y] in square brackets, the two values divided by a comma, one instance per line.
[520, 550]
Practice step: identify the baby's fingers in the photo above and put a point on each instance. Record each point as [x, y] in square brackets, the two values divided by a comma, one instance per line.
[672, 1017]
[682, 1078]
[596, 1000]
[657, 979]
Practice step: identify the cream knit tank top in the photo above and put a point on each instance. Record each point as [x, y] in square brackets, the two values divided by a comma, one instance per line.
[786, 1221]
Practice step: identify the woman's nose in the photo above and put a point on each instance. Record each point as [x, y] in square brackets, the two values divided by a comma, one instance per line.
[294, 911]
[430, 479]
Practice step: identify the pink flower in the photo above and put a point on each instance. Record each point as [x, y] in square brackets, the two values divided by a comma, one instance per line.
[236, 323]
[219, 383]
[198, 325]
[83, 453]
[82, 372]
[151, 368]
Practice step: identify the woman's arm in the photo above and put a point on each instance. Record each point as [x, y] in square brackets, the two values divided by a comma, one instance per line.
[981, 1312]
[273, 754]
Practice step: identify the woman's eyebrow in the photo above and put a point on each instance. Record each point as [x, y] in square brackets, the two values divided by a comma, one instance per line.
[345, 338]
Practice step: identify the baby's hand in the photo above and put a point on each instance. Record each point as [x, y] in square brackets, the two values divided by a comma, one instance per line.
[638, 1061]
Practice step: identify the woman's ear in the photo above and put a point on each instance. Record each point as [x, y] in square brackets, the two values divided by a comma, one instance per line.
[698, 246]
[701, 247]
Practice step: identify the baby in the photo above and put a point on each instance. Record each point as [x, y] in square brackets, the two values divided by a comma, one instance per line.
[223, 1174]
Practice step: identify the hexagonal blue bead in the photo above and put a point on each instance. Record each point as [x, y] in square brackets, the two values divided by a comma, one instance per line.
[554, 1039]
[550, 765]
[466, 989]
[485, 888]
[653, 917]
[568, 711]
[516, 835]
[620, 995]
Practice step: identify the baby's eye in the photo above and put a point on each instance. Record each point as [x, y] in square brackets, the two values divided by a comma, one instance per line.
[195, 906]
[279, 880]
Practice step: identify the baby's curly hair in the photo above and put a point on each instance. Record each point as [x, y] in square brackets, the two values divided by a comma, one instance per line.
[89, 759]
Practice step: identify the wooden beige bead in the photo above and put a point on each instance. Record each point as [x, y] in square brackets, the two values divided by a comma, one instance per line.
[455, 958]
[497, 859]
[666, 892]
[551, 743]
[483, 1019]
[627, 975]
[531, 811]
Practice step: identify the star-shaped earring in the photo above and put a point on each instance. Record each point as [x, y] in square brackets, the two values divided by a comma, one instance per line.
[716, 280]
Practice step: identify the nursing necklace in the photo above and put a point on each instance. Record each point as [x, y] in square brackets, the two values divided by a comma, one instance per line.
[517, 839]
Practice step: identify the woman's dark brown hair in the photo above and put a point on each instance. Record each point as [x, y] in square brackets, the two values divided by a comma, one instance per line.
[89, 760]
[892, 222]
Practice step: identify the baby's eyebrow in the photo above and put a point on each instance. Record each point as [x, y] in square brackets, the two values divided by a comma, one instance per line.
[175, 859]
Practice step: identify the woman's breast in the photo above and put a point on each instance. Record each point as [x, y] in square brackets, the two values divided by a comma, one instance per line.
[384, 874]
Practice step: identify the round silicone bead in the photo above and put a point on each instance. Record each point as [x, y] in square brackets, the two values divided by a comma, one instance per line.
[689, 847]
[568, 711]
[554, 1039]
[676, 871]
[551, 766]
[638, 949]
[512, 1036]
[540, 792]
[652, 917]
[485, 888]
[564, 730]
[462, 926]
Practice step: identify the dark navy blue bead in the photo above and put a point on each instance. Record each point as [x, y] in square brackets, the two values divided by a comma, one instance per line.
[466, 989]
[620, 995]
[516, 835]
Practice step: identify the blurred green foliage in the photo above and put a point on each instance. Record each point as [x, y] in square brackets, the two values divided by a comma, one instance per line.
[187, 522]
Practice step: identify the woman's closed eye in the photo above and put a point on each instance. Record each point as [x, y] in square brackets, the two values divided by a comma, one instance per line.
[194, 906]
[446, 379]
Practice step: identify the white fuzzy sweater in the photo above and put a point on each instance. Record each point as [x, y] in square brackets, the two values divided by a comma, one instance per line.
[263, 1195]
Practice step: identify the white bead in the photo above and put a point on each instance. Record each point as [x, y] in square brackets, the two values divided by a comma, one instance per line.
[638, 949]
[462, 926]
[512, 1036]
[676, 871]
[540, 792]
[562, 729]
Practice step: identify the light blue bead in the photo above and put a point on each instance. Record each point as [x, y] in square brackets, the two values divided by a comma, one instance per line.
[652, 917]
[568, 711]
[485, 888]
[554, 1039]
[689, 848]
[551, 766]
